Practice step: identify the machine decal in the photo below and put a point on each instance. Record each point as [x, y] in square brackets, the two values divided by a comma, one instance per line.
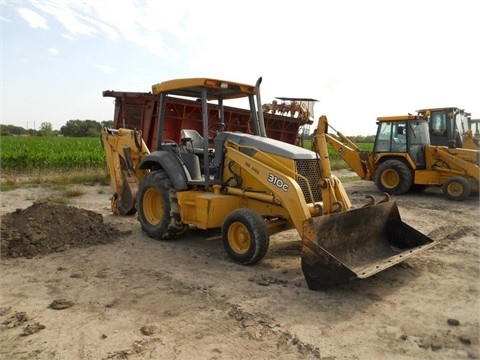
[278, 182]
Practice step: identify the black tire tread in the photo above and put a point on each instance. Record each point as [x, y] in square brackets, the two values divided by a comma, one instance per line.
[463, 182]
[403, 171]
[258, 230]
[170, 227]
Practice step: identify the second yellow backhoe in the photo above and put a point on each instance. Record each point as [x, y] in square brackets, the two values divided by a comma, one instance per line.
[403, 158]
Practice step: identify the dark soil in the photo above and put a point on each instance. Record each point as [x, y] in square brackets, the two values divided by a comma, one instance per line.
[46, 227]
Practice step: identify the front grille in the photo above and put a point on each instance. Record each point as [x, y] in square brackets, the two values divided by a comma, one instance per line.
[310, 169]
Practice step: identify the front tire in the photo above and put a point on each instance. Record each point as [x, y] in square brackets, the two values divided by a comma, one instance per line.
[394, 177]
[245, 236]
[457, 188]
[157, 207]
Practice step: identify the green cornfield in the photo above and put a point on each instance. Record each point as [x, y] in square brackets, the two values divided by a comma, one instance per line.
[23, 154]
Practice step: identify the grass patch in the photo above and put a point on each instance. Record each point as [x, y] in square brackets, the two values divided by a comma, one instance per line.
[54, 179]
[8, 184]
[346, 179]
[57, 200]
[338, 164]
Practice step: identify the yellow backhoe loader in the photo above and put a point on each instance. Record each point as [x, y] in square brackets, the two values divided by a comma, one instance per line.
[403, 158]
[251, 187]
[451, 126]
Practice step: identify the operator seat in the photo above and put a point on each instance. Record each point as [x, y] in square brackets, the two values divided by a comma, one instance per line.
[192, 140]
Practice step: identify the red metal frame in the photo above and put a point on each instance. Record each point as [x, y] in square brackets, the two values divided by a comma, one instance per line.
[137, 110]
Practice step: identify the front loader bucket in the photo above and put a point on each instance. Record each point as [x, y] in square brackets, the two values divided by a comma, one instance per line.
[355, 244]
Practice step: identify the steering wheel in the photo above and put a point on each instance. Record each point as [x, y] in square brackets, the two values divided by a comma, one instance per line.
[220, 128]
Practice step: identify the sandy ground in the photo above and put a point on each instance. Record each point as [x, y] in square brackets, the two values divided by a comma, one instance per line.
[137, 298]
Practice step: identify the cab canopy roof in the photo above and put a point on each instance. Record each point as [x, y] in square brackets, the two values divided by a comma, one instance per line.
[402, 118]
[192, 87]
[451, 108]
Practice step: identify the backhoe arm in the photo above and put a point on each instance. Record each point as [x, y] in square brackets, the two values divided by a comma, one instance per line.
[124, 149]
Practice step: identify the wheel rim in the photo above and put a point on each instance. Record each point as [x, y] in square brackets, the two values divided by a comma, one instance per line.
[390, 178]
[455, 189]
[153, 206]
[239, 238]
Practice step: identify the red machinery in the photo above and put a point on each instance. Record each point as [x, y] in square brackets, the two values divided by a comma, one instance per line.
[138, 110]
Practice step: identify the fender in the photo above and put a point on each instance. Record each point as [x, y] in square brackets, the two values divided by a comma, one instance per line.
[170, 163]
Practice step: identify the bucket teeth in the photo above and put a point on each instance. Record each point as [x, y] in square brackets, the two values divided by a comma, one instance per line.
[371, 201]
[386, 198]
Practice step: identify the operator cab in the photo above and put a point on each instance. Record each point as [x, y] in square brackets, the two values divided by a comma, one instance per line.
[447, 126]
[403, 134]
[194, 148]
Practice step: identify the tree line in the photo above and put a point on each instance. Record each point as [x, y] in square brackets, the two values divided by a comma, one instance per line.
[73, 128]
[92, 128]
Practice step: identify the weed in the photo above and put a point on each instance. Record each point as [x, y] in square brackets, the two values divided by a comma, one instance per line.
[73, 192]
[57, 200]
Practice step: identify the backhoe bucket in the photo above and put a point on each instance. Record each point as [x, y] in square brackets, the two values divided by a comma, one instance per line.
[355, 244]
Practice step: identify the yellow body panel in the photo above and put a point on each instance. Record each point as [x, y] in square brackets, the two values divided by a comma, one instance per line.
[250, 174]
[427, 177]
[205, 209]
[182, 85]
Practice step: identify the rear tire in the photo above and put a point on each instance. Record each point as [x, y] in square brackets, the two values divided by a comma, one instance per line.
[457, 188]
[245, 236]
[394, 177]
[157, 207]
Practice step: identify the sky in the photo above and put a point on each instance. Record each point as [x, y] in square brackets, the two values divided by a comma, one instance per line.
[360, 59]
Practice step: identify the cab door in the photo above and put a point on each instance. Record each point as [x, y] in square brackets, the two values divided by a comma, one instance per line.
[417, 139]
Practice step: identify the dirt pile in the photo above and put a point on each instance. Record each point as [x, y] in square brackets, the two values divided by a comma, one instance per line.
[46, 227]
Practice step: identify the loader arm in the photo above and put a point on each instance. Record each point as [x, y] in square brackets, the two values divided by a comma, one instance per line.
[286, 191]
[334, 196]
[283, 184]
[360, 161]
[124, 150]
[458, 164]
